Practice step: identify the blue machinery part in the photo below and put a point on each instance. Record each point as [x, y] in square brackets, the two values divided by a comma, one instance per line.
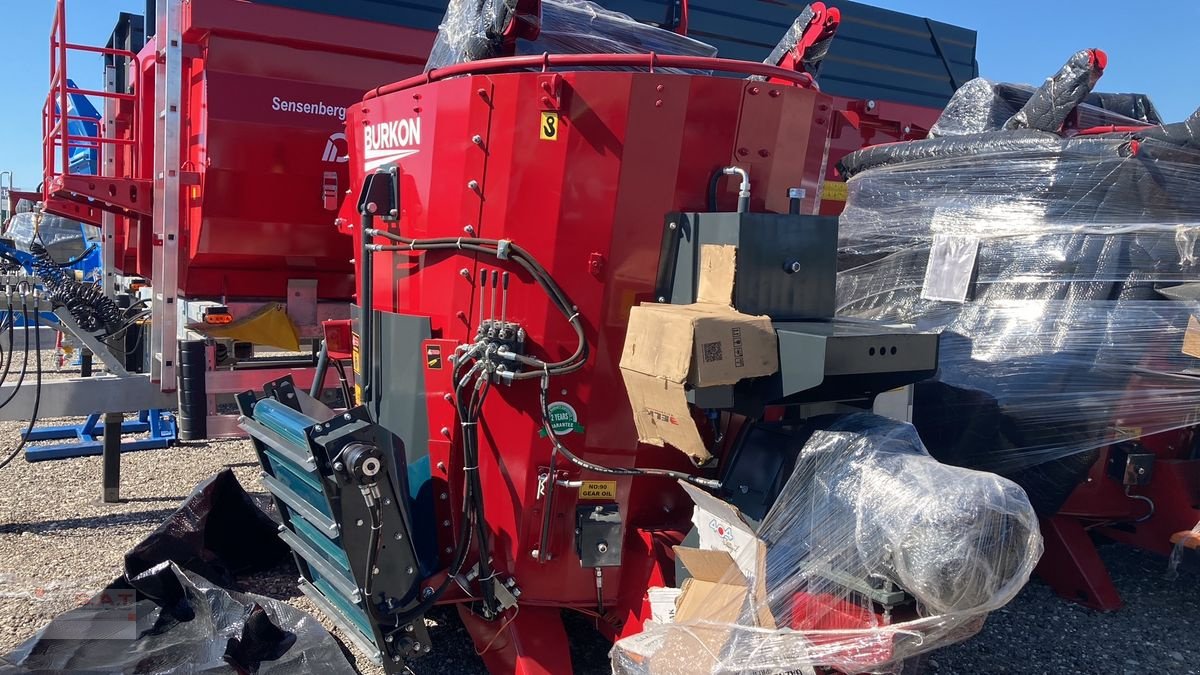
[336, 484]
[89, 436]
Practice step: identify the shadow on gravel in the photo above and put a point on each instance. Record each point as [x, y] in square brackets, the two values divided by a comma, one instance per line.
[154, 516]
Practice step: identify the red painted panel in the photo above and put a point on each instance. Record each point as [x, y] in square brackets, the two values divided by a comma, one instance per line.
[590, 205]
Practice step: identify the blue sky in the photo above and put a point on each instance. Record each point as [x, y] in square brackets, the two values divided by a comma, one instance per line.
[1149, 44]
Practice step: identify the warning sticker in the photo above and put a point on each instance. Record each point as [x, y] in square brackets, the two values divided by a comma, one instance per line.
[549, 126]
[354, 358]
[433, 357]
[834, 191]
[598, 489]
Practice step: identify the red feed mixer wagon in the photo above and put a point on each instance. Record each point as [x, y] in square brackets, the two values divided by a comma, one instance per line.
[511, 212]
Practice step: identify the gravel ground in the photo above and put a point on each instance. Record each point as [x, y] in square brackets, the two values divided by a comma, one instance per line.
[59, 544]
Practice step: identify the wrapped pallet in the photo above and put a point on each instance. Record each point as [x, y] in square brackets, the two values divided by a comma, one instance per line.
[873, 553]
[1059, 266]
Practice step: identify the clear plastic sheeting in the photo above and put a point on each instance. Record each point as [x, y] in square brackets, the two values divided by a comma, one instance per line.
[1060, 272]
[64, 238]
[482, 29]
[1048, 106]
[982, 105]
[168, 621]
[875, 553]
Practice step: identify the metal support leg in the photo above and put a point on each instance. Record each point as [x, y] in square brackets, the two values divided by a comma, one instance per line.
[1072, 566]
[112, 457]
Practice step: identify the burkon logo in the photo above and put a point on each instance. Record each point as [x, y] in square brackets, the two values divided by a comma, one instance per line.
[391, 141]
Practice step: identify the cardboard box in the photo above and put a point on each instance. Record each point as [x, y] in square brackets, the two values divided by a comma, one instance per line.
[727, 587]
[707, 343]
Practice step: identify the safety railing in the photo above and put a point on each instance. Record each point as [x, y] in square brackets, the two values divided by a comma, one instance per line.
[650, 62]
[57, 140]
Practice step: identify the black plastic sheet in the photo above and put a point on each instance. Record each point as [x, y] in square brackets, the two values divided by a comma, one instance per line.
[173, 610]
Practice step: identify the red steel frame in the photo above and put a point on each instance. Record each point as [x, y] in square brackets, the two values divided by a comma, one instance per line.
[590, 206]
[80, 196]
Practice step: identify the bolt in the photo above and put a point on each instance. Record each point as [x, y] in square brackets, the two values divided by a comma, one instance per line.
[417, 647]
[347, 417]
[764, 153]
[774, 93]
[338, 466]
[387, 501]
[870, 105]
[443, 496]
[281, 528]
[598, 509]
[754, 91]
[659, 88]
[477, 139]
[388, 639]
[409, 627]
[396, 658]
[534, 553]
[672, 225]
[300, 580]
[441, 465]
[473, 185]
[448, 398]
[445, 523]
[446, 432]
[602, 547]
[358, 522]
[469, 229]
[907, 130]
[661, 299]
[374, 570]
[658, 103]
[408, 570]
[449, 550]
[464, 272]
[399, 536]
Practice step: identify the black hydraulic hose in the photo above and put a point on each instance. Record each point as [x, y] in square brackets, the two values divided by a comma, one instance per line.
[79, 258]
[486, 574]
[37, 391]
[365, 302]
[25, 359]
[322, 368]
[705, 483]
[461, 547]
[518, 255]
[343, 382]
[12, 329]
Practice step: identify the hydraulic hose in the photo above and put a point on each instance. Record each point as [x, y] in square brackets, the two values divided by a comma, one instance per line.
[37, 392]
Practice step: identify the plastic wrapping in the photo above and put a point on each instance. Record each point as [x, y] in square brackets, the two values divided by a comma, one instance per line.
[169, 621]
[172, 611]
[64, 238]
[477, 29]
[866, 514]
[1058, 271]
[982, 105]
